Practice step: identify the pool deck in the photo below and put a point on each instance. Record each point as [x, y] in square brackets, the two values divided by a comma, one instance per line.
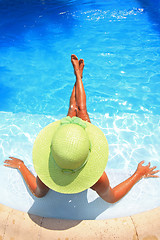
[16, 225]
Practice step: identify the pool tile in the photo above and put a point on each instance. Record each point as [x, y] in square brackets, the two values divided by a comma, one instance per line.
[148, 224]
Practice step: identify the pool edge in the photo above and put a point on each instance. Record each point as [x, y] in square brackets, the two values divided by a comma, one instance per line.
[18, 225]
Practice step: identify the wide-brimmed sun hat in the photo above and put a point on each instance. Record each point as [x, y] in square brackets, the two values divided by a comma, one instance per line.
[70, 155]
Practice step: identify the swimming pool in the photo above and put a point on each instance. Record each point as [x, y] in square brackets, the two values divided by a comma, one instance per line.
[120, 45]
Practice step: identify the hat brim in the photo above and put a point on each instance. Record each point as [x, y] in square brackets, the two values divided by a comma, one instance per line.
[52, 176]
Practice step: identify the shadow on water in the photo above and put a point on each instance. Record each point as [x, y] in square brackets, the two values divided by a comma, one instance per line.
[66, 206]
[86, 205]
[18, 17]
[153, 10]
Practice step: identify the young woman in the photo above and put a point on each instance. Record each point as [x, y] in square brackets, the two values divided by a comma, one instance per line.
[77, 108]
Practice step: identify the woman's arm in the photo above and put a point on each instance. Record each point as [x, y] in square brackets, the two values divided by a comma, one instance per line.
[112, 195]
[35, 185]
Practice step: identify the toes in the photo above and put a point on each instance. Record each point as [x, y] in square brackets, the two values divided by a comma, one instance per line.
[73, 56]
[81, 61]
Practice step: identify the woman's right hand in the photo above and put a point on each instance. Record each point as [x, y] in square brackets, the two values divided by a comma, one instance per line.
[13, 163]
[146, 171]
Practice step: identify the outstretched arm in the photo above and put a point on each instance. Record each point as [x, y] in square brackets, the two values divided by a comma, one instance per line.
[112, 195]
[35, 185]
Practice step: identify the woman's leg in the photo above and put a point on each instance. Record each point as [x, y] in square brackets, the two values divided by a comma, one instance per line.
[72, 105]
[79, 90]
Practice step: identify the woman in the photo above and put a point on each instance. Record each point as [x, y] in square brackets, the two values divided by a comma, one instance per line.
[78, 109]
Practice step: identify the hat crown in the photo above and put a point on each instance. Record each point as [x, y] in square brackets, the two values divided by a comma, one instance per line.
[70, 146]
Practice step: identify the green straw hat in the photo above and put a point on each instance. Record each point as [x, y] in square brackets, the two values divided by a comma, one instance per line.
[70, 155]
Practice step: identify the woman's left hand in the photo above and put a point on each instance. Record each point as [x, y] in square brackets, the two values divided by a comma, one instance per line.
[146, 171]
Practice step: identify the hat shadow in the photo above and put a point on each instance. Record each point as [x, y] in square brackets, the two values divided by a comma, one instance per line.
[55, 175]
[66, 207]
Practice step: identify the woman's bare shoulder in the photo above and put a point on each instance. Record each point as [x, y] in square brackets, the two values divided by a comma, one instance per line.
[102, 184]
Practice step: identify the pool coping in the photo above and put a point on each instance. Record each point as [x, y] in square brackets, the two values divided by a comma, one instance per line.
[19, 225]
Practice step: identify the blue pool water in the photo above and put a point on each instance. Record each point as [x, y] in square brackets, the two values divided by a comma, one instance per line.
[119, 41]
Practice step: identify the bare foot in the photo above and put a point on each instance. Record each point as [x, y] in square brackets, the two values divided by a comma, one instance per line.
[81, 66]
[75, 63]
